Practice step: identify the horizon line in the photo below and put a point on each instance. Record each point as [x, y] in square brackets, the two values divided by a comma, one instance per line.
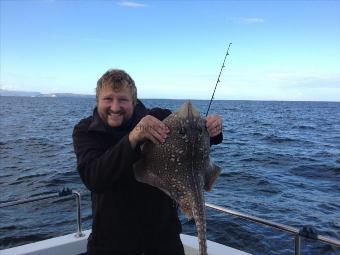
[155, 98]
[185, 99]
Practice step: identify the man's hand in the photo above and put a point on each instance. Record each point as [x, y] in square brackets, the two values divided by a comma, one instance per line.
[214, 125]
[148, 128]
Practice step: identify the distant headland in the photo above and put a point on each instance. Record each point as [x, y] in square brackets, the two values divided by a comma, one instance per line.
[14, 93]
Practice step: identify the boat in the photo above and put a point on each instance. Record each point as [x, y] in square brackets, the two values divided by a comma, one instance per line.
[72, 244]
[75, 243]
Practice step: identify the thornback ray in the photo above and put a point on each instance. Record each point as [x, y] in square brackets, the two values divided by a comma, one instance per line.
[181, 167]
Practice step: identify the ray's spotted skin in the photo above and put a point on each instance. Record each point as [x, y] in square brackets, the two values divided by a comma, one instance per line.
[181, 166]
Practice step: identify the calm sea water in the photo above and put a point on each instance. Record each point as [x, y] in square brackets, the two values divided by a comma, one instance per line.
[280, 160]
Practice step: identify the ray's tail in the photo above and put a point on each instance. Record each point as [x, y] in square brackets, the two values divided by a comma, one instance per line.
[200, 220]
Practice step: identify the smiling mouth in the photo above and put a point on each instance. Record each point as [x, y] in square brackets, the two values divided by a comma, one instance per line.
[115, 114]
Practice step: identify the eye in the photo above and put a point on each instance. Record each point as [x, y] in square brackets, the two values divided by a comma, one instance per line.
[182, 131]
[107, 99]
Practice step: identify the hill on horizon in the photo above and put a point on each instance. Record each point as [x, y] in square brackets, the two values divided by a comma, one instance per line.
[4, 92]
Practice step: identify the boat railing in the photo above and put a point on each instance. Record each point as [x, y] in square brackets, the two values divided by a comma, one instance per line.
[304, 232]
[63, 193]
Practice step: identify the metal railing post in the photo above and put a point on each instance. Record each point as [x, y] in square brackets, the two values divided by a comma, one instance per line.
[297, 245]
[79, 230]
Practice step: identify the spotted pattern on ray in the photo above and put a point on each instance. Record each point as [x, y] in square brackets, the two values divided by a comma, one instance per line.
[181, 166]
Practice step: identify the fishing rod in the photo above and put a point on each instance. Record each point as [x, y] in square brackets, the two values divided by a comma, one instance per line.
[218, 80]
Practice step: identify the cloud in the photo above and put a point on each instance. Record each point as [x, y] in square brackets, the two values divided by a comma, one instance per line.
[132, 4]
[306, 80]
[247, 20]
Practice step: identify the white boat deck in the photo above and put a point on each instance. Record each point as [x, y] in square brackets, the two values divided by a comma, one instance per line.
[71, 245]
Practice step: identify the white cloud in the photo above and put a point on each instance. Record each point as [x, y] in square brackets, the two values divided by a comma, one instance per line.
[247, 20]
[131, 4]
[306, 80]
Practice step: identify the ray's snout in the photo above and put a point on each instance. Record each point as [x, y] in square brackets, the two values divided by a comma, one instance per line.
[187, 111]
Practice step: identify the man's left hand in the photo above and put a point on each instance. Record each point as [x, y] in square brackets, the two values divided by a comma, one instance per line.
[214, 125]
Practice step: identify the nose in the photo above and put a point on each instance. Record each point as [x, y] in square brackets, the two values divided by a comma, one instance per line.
[115, 107]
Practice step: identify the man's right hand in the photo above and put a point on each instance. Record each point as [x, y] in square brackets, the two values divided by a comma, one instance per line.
[149, 128]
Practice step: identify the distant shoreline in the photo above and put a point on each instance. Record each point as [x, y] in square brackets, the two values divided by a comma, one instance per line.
[10, 93]
[15, 93]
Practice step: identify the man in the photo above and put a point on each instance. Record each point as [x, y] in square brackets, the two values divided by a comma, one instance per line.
[129, 217]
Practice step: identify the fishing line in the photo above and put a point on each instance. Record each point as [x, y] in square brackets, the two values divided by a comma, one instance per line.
[218, 80]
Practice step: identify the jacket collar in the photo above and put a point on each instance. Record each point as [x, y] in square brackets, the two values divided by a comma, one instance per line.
[98, 125]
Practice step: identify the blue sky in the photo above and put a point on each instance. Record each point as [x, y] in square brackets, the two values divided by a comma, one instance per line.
[281, 50]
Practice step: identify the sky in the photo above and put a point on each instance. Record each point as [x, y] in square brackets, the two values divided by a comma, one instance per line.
[281, 50]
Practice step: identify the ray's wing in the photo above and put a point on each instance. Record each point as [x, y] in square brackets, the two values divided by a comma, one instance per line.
[145, 171]
[186, 209]
[210, 176]
[145, 175]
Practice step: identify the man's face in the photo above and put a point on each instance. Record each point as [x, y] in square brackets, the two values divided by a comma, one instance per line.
[115, 106]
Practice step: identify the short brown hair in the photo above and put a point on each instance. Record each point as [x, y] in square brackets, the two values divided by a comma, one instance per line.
[117, 79]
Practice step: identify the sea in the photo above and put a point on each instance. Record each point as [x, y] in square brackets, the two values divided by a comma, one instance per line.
[280, 161]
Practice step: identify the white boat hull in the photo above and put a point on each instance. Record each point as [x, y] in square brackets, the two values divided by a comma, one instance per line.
[72, 245]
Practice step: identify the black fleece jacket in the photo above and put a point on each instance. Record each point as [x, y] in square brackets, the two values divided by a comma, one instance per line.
[127, 215]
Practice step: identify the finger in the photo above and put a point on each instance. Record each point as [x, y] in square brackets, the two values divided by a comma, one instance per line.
[152, 139]
[159, 127]
[213, 125]
[208, 121]
[155, 123]
[211, 129]
[213, 121]
[159, 136]
[214, 131]
[154, 129]
[217, 124]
